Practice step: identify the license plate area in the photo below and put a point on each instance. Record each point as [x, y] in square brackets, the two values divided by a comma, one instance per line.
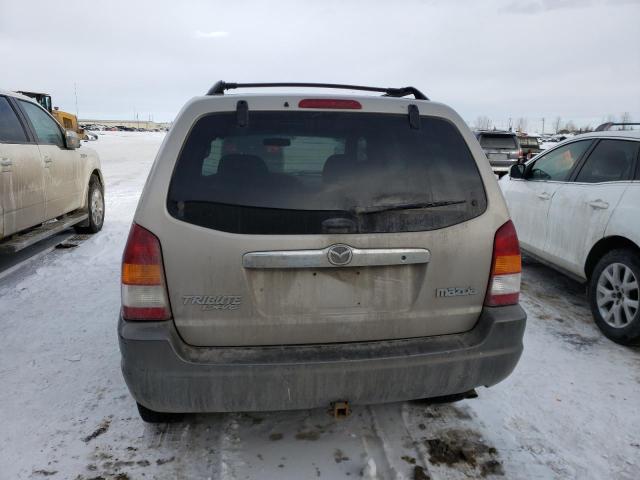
[305, 292]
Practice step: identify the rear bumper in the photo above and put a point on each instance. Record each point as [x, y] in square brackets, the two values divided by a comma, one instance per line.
[167, 375]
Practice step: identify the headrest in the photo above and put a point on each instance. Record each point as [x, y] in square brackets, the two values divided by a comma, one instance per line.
[237, 164]
[615, 166]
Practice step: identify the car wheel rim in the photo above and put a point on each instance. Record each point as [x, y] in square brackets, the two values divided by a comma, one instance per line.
[617, 295]
[97, 206]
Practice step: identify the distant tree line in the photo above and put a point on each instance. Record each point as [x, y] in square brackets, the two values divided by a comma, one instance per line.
[483, 122]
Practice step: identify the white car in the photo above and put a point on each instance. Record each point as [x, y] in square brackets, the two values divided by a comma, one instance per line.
[90, 136]
[576, 207]
[44, 176]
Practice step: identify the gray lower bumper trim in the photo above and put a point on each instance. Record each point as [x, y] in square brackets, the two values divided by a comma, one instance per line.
[165, 374]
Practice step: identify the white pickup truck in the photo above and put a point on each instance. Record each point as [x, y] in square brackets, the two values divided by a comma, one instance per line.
[576, 207]
[47, 182]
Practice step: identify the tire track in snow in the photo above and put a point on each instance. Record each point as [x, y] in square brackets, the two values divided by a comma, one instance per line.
[229, 461]
[396, 452]
[189, 449]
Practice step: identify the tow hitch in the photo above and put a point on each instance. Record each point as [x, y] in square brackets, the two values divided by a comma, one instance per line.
[340, 409]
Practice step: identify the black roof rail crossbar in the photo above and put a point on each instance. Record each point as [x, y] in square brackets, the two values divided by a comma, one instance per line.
[606, 126]
[220, 87]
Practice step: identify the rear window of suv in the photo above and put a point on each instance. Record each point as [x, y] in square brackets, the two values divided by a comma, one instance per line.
[498, 141]
[315, 172]
[528, 142]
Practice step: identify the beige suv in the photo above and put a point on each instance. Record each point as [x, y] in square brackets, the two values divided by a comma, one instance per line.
[294, 250]
[44, 174]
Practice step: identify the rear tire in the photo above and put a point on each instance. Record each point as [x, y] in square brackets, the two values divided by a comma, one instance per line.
[614, 291]
[151, 416]
[95, 208]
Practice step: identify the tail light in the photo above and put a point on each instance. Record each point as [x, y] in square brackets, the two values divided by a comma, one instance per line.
[144, 292]
[506, 268]
[334, 103]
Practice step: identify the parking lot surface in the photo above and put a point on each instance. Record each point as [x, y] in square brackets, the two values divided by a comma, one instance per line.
[570, 409]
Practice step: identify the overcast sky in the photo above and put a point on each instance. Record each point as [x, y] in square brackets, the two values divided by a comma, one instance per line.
[501, 58]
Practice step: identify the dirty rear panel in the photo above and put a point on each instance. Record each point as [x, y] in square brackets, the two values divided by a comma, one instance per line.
[320, 226]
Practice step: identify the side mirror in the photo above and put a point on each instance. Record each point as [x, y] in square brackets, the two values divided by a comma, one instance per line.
[517, 171]
[71, 139]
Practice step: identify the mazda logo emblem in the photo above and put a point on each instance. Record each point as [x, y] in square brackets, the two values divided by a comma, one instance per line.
[340, 255]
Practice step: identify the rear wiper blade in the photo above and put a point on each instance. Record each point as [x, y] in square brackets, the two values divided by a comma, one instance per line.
[405, 206]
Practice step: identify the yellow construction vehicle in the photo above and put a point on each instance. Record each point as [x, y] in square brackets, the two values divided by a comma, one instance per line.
[68, 120]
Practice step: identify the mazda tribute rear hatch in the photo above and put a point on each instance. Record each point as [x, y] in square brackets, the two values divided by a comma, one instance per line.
[306, 226]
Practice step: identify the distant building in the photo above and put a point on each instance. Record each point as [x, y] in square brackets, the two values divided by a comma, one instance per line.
[146, 125]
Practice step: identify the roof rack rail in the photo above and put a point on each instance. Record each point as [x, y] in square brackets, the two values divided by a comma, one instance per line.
[606, 126]
[220, 87]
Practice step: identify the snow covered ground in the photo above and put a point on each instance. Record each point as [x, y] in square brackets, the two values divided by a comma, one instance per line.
[570, 410]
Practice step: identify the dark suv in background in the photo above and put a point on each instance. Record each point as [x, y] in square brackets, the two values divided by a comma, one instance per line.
[501, 148]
